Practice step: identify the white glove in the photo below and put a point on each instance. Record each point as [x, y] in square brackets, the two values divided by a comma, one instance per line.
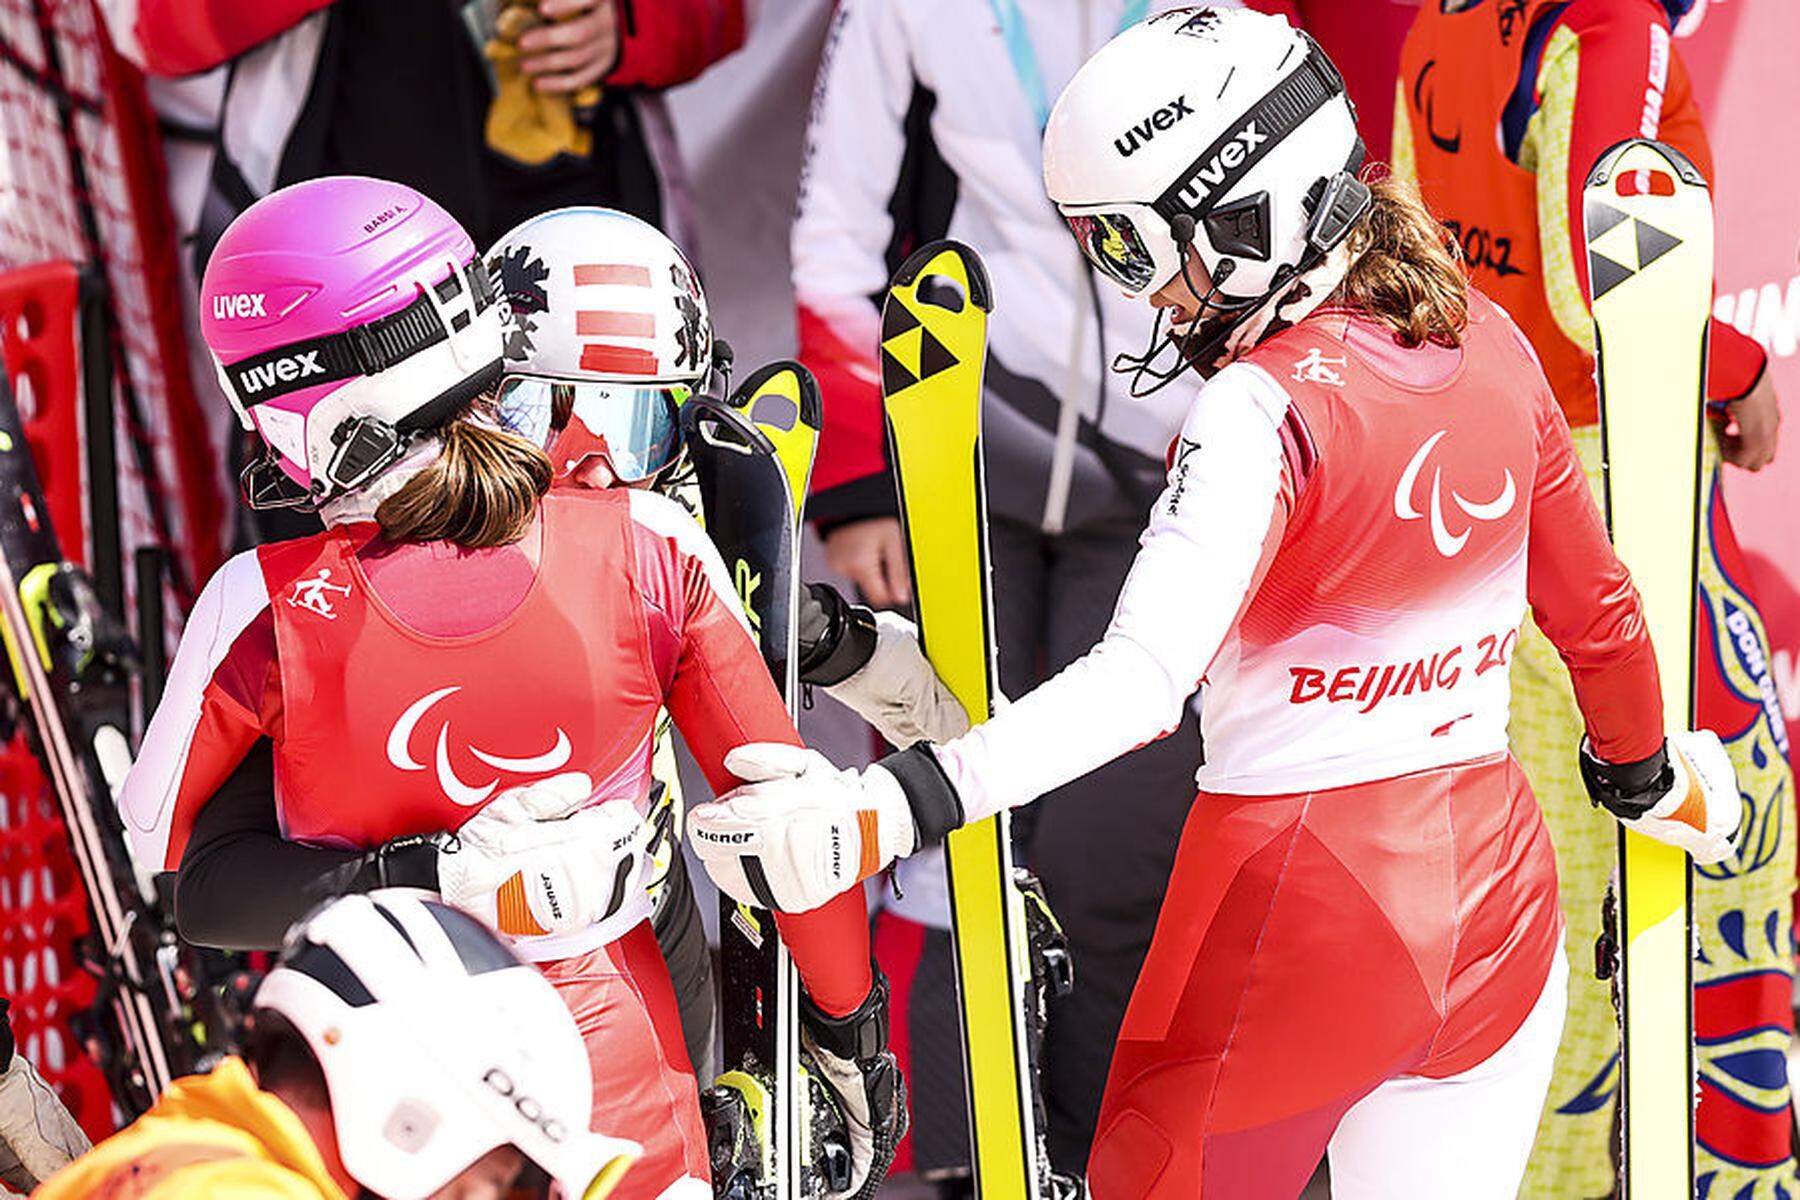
[799, 831]
[898, 692]
[38, 1137]
[1701, 810]
[534, 861]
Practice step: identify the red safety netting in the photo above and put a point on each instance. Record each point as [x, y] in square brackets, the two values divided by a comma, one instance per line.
[81, 180]
[87, 251]
[45, 916]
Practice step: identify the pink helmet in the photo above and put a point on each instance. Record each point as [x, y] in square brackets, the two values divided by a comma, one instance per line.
[348, 317]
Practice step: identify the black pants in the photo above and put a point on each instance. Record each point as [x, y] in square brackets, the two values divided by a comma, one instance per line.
[1103, 846]
[682, 939]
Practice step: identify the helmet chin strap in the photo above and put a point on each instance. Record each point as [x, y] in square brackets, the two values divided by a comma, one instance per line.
[1339, 205]
[1212, 334]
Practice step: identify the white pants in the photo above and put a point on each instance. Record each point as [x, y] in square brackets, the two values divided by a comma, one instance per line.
[1466, 1135]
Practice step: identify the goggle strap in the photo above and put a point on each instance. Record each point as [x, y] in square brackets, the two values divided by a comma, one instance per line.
[1284, 109]
[364, 349]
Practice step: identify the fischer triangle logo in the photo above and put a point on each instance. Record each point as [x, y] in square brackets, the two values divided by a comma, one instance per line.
[1620, 245]
[909, 352]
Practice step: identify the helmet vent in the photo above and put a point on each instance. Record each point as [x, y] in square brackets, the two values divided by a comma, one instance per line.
[322, 964]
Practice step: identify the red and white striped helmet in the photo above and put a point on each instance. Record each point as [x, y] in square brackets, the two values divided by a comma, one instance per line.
[607, 315]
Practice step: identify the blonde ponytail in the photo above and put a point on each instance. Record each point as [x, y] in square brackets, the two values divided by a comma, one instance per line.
[1406, 272]
[482, 491]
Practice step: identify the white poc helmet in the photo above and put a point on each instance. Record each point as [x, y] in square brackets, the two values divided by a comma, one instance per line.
[608, 318]
[438, 1045]
[1224, 128]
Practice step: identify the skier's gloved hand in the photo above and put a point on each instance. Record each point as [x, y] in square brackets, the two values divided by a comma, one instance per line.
[38, 1137]
[799, 830]
[1685, 794]
[871, 662]
[836, 636]
[852, 1058]
[898, 692]
[534, 861]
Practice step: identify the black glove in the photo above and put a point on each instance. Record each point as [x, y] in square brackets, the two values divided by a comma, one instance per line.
[852, 1056]
[837, 638]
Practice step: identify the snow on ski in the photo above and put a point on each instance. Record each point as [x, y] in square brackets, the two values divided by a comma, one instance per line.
[1650, 257]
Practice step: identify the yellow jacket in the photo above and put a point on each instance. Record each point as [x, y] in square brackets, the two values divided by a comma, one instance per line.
[210, 1137]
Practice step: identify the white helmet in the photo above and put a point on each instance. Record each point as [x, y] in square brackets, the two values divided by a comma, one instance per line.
[608, 318]
[1224, 128]
[438, 1045]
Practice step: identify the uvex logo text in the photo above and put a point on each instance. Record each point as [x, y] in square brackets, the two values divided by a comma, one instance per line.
[1230, 156]
[286, 369]
[1145, 130]
[239, 304]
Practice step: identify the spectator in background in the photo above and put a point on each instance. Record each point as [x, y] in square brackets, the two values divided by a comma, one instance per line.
[496, 109]
[1363, 38]
[397, 88]
[1502, 108]
[928, 123]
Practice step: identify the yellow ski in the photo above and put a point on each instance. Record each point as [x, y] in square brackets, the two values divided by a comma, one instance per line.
[933, 356]
[1650, 258]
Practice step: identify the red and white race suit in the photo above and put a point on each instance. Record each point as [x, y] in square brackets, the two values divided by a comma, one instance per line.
[403, 687]
[1350, 537]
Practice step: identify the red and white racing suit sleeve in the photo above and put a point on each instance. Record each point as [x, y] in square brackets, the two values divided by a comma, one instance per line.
[1583, 599]
[182, 37]
[1611, 72]
[216, 703]
[1210, 540]
[721, 696]
[666, 42]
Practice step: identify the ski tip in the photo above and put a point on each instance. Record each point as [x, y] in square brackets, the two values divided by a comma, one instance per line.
[780, 394]
[1641, 152]
[711, 422]
[953, 260]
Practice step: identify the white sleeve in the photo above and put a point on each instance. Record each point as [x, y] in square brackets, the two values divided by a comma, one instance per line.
[855, 144]
[229, 602]
[1196, 564]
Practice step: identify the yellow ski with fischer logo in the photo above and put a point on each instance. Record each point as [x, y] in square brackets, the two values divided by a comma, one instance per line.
[933, 357]
[1650, 258]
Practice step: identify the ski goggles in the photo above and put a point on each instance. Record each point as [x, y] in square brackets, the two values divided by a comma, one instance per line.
[1113, 238]
[1132, 243]
[633, 426]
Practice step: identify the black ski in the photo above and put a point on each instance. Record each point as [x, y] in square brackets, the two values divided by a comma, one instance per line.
[72, 665]
[774, 1132]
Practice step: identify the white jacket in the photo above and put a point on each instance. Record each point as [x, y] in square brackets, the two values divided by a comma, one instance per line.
[922, 127]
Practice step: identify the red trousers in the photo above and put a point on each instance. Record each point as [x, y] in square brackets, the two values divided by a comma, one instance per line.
[1310, 948]
[644, 1086]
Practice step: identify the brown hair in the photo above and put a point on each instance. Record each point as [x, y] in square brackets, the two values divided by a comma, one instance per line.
[1407, 272]
[482, 491]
